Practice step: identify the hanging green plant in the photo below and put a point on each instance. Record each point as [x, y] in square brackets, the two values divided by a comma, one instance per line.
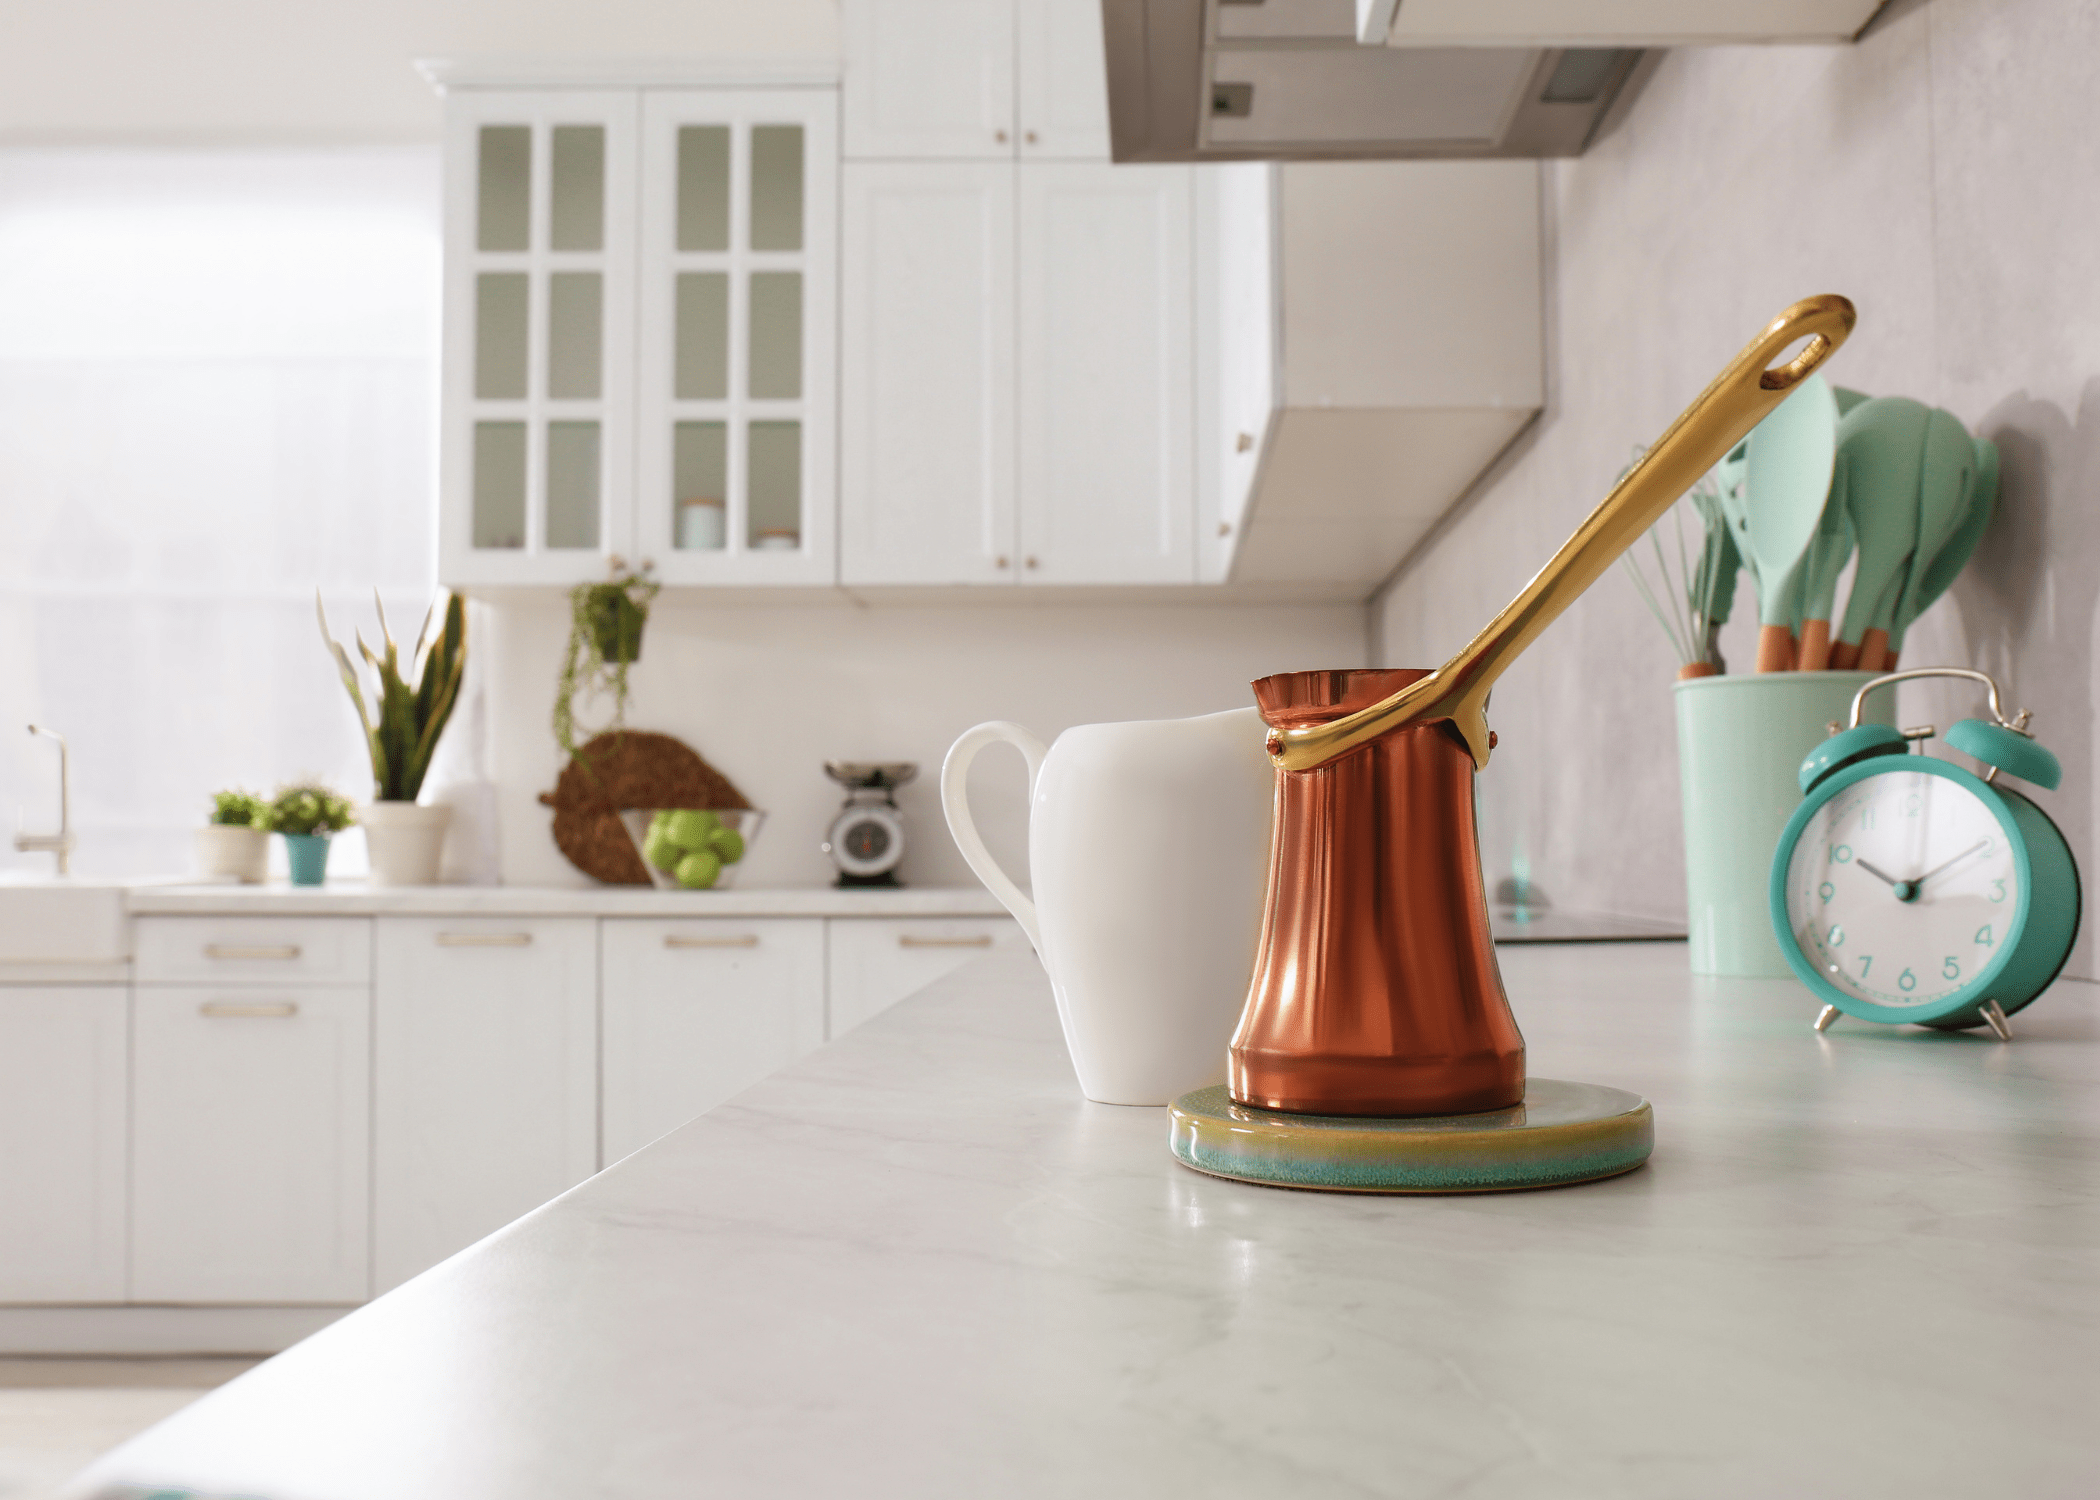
[605, 639]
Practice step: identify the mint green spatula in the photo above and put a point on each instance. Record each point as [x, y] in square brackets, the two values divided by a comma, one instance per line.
[1880, 462]
[1979, 505]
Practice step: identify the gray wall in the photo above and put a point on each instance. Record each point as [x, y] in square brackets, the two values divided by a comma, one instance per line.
[1941, 173]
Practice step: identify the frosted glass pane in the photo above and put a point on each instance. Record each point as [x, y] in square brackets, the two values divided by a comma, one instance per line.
[575, 315]
[499, 484]
[774, 484]
[776, 335]
[703, 187]
[776, 187]
[504, 221]
[572, 485]
[699, 473]
[500, 311]
[577, 197]
[701, 358]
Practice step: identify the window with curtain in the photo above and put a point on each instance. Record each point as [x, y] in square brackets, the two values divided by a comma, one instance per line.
[218, 393]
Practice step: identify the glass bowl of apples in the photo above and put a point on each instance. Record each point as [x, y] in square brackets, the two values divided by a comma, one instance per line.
[692, 848]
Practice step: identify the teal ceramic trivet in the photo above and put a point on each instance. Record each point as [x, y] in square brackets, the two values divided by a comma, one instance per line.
[1561, 1133]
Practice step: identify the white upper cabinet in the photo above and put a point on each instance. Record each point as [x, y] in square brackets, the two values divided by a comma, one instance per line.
[975, 79]
[739, 278]
[538, 436]
[1106, 369]
[926, 490]
[640, 309]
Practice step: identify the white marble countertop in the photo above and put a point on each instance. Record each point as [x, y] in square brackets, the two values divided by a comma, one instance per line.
[354, 898]
[918, 1264]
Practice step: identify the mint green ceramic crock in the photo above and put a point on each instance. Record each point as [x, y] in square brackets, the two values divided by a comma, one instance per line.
[1740, 742]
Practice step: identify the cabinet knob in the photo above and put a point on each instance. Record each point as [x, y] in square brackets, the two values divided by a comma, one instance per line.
[1033, 563]
[1224, 528]
[999, 136]
[1002, 562]
[1244, 442]
[1029, 137]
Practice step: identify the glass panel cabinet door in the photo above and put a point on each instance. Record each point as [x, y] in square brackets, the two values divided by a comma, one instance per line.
[735, 474]
[537, 477]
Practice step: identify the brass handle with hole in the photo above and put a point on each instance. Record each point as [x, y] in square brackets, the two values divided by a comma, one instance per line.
[1738, 399]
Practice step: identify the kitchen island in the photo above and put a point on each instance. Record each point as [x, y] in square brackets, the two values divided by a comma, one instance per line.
[918, 1263]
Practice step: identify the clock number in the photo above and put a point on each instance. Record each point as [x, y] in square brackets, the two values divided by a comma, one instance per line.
[1841, 855]
[1983, 936]
[1837, 935]
[1866, 962]
[1997, 893]
[1950, 967]
[1826, 890]
[1866, 817]
[1913, 805]
[1906, 980]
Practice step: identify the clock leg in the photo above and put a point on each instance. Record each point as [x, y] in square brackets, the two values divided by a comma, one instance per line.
[1996, 1020]
[1830, 1014]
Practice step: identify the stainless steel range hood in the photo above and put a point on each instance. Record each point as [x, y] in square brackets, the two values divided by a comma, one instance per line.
[1225, 80]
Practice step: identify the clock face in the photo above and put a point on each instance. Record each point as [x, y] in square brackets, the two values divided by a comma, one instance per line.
[1902, 888]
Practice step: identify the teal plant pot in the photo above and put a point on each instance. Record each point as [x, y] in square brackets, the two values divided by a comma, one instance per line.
[307, 853]
[1740, 743]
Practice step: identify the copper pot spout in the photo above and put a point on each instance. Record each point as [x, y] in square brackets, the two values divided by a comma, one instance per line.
[1375, 989]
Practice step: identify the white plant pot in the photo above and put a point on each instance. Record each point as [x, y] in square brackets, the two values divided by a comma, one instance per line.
[227, 849]
[405, 841]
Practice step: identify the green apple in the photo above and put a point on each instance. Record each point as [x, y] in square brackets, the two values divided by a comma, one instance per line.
[699, 870]
[690, 828]
[729, 844]
[658, 847]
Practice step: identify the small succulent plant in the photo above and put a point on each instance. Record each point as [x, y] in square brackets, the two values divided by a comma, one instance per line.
[236, 809]
[310, 809]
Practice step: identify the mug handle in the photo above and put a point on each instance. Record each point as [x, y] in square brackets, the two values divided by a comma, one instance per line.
[955, 802]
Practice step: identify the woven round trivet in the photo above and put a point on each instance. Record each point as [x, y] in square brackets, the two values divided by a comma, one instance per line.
[627, 768]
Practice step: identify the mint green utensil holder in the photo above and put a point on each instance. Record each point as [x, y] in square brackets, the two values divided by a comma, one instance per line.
[1740, 743]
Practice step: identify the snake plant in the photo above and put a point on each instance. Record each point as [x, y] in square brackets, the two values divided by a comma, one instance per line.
[411, 715]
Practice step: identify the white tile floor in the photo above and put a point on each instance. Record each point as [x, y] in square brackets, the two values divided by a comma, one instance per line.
[58, 1415]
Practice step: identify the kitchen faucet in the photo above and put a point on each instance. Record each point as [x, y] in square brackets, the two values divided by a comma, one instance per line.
[61, 842]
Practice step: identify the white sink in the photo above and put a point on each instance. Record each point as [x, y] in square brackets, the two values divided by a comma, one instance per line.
[46, 919]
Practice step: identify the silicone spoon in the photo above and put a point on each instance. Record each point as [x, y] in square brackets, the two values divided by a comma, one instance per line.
[1945, 474]
[1827, 556]
[1773, 487]
[1880, 456]
[1980, 506]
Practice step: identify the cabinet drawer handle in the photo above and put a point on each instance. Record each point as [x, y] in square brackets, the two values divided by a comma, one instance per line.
[251, 950]
[982, 940]
[268, 1009]
[680, 940]
[484, 940]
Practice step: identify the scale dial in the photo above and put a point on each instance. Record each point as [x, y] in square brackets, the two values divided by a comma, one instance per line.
[866, 840]
[1904, 891]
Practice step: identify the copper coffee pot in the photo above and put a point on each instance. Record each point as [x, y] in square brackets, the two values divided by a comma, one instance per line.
[1375, 989]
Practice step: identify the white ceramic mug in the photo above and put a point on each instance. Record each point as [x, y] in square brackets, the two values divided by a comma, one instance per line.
[1148, 848]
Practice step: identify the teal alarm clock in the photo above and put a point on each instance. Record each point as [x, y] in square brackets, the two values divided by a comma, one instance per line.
[1906, 889]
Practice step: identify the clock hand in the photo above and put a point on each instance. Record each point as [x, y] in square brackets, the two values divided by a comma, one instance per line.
[1979, 844]
[1904, 890]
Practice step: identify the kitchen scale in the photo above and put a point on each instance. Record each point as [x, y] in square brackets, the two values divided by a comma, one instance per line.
[866, 840]
[1377, 1051]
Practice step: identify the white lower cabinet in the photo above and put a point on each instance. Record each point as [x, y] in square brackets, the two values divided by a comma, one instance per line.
[250, 1142]
[694, 1011]
[62, 1117]
[485, 1086]
[877, 961]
